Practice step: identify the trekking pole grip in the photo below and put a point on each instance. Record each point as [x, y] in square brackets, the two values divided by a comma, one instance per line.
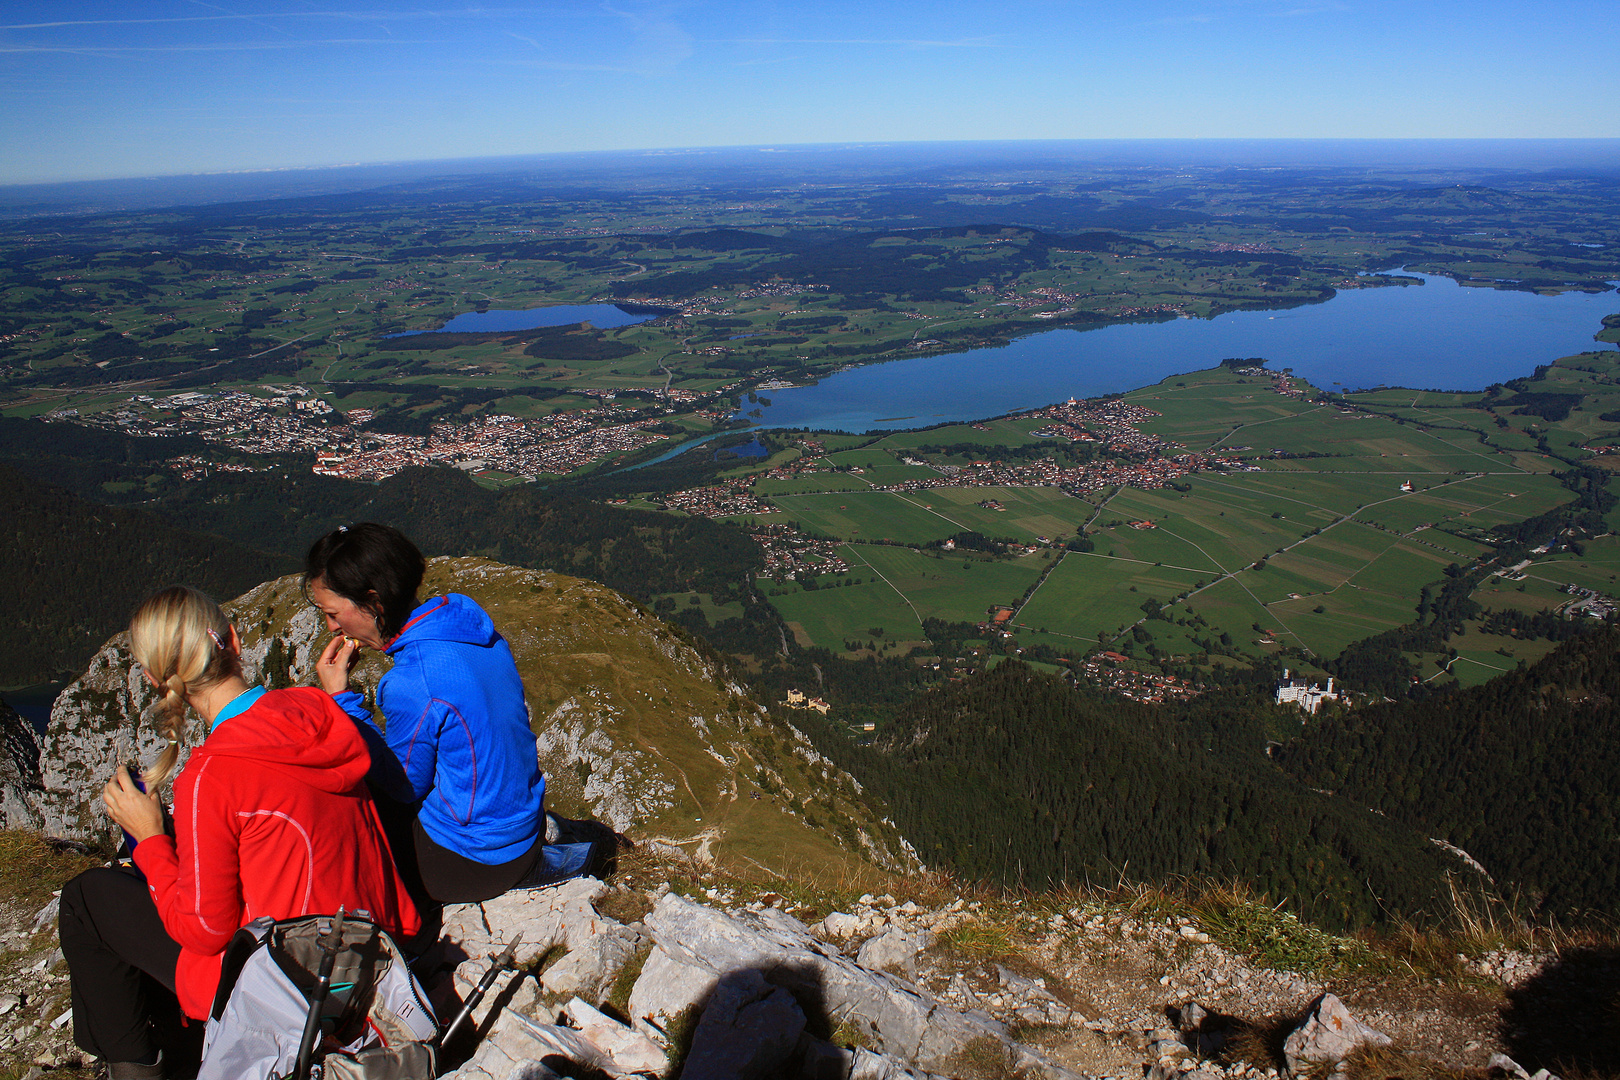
[317, 998]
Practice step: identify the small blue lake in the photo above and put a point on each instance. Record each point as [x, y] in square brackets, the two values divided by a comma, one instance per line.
[33, 703]
[499, 320]
[1434, 336]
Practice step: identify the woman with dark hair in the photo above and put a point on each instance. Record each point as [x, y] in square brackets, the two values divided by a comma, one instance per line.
[455, 753]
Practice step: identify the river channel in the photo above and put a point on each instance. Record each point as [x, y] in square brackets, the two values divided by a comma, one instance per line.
[1435, 336]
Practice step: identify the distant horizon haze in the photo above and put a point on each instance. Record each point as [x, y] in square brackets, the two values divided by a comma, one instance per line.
[92, 90]
[829, 161]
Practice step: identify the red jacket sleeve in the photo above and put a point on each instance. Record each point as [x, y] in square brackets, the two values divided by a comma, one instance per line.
[195, 879]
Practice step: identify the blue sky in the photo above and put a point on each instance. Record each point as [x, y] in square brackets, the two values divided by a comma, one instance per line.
[110, 89]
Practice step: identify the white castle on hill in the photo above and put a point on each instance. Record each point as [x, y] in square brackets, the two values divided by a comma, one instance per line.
[1307, 696]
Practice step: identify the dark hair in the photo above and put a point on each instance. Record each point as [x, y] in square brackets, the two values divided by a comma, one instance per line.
[374, 566]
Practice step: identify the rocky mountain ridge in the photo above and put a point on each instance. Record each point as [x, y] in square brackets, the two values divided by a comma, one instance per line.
[737, 940]
[668, 972]
[636, 727]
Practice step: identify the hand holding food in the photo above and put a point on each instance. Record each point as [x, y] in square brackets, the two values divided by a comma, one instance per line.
[332, 669]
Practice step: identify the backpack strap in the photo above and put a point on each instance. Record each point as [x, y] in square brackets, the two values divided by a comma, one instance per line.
[243, 944]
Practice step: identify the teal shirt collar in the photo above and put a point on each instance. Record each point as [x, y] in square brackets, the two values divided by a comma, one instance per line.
[238, 705]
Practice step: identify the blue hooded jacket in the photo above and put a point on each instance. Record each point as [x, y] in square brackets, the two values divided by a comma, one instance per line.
[459, 733]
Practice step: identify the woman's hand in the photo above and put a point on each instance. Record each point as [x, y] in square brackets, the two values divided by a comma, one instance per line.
[332, 669]
[137, 812]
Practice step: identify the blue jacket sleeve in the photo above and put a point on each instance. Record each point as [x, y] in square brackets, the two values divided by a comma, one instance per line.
[352, 703]
[386, 774]
[414, 718]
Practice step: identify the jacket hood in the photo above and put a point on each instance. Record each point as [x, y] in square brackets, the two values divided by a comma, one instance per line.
[452, 617]
[301, 732]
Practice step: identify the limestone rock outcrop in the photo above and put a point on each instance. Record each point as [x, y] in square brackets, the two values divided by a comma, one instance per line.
[756, 992]
[19, 771]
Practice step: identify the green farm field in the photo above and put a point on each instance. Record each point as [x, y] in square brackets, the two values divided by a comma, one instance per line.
[1027, 513]
[828, 617]
[867, 515]
[909, 586]
[949, 587]
[1085, 594]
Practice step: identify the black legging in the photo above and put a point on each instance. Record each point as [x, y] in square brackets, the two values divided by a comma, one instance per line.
[433, 874]
[452, 878]
[120, 961]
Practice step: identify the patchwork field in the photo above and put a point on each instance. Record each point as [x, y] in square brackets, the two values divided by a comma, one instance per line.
[901, 587]
[1343, 518]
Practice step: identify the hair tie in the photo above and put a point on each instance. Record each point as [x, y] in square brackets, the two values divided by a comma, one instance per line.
[219, 643]
[174, 742]
[342, 528]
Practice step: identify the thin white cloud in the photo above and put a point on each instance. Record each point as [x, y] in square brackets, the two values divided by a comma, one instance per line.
[908, 43]
[767, 60]
[659, 44]
[1324, 8]
[360, 16]
[1253, 9]
[240, 46]
[554, 65]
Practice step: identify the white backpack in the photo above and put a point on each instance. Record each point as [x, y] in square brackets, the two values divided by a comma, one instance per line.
[373, 1024]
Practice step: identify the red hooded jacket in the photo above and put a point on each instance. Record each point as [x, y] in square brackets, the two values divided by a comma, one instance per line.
[272, 817]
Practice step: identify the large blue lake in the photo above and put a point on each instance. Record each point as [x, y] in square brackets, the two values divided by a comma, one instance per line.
[1435, 336]
[497, 320]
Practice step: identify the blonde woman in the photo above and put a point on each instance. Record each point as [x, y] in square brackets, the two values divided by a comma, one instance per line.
[271, 817]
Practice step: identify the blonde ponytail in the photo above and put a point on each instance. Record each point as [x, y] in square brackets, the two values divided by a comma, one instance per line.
[178, 637]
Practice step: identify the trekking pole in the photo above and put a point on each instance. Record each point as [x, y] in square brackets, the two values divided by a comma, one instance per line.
[317, 998]
[498, 964]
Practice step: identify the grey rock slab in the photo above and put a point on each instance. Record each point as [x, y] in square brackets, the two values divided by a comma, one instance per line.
[560, 915]
[869, 1065]
[698, 947]
[47, 914]
[896, 949]
[628, 1048]
[1037, 1004]
[588, 970]
[1508, 1065]
[510, 990]
[517, 1047]
[898, 1018]
[665, 989]
[748, 1030]
[822, 1060]
[1327, 1036]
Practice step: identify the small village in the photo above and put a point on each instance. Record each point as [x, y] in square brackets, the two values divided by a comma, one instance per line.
[1138, 460]
[1112, 671]
[288, 420]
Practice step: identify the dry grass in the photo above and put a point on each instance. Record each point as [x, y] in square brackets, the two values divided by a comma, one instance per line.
[32, 868]
[1390, 1062]
[983, 1058]
[1258, 1042]
[979, 939]
[626, 905]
